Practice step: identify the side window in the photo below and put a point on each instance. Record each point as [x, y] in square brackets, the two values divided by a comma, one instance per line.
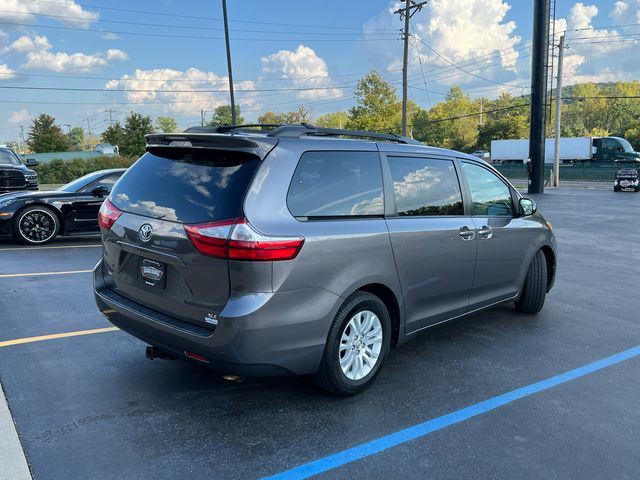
[489, 194]
[425, 186]
[108, 181]
[336, 184]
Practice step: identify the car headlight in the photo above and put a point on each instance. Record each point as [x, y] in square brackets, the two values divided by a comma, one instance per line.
[31, 178]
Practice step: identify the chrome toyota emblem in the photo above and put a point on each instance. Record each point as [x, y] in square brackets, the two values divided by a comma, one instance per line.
[145, 232]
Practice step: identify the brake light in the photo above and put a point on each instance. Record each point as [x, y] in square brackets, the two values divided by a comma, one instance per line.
[108, 215]
[236, 239]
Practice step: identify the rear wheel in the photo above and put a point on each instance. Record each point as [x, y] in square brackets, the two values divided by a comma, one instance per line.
[534, 290]
[36, 225]
[357, 345]
[616, 189]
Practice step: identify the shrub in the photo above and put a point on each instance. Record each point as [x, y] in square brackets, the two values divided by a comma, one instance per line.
[63, 171]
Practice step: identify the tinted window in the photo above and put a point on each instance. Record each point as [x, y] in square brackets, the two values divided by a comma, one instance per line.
[489, 194]
[107, 181]
[333, 184]
[186, 185]
[7, 157]
[425, 186]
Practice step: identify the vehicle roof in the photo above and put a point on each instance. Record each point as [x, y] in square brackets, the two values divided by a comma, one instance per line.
[331, 138]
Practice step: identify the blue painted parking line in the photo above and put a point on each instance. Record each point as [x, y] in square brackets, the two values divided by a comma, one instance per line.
[417, 431]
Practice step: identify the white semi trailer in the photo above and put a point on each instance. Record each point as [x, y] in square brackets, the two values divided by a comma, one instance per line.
[572, 149]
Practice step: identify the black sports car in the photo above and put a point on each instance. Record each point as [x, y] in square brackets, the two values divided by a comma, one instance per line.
[14, 175]
[38, 217]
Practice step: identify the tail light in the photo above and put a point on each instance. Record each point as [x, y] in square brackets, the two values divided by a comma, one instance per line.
[236, 239]
[108, 214]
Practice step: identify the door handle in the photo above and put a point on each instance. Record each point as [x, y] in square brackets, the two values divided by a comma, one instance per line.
[485, 232]
[467, 234]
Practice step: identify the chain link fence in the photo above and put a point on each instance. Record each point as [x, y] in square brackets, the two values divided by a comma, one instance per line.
[591, 172]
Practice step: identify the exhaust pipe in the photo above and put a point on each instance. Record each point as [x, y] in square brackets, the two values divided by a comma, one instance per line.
[153, 352]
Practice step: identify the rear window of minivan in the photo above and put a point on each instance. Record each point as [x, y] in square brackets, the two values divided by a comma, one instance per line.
[186, 185]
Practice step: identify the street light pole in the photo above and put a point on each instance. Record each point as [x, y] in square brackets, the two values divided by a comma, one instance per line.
[226, 37]
[556, 148]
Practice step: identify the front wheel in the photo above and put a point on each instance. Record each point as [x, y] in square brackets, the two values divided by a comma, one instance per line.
[36, 225]
[357, 345]
[534, 290]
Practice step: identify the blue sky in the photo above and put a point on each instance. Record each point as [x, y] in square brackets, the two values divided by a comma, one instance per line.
[285, 54]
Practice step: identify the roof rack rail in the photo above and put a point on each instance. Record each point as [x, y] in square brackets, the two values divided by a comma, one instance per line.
[231, 128]
[297, 131]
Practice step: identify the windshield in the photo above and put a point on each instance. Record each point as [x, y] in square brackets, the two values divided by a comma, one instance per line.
[626, 146]
[7, 157]
[79, 183]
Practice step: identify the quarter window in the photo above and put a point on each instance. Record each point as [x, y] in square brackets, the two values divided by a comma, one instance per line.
[490, 196]
[425, 186]
[337, 184]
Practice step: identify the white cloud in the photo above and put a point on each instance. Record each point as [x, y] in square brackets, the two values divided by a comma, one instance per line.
[5, 72]
[110, 36]
[20, 116]
[26, 44]
[303, 69]
[458, 30]
[626, 11]
[177, 91]
[38, 56]
[591, 49]
[21, 11]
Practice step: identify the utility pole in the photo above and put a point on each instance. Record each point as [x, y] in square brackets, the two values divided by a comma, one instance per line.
[110, 111]
[538, 93]
[409, 10]
[202, 117]
[556, 147]
[226, 38]
[89, 137]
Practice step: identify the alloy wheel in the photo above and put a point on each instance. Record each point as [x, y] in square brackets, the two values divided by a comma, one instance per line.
[37, 226]
[360, 345]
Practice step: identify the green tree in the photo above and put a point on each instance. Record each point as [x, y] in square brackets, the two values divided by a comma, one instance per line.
[136, 127]
[46, 136]
[113, 134]
[633, 136]
[222, 116]
[449, 124]
[332, 120]
[506, 128]
[77, 138]
[166, 124]
[272, 118]
[301, 115]
[377, 107]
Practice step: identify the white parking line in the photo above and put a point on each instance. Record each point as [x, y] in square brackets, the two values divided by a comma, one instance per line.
[26, 249]
[42, 274]
[13, 463]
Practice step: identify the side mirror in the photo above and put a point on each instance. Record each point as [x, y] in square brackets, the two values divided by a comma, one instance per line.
[100, 191]
[527, 207]
[32, 162]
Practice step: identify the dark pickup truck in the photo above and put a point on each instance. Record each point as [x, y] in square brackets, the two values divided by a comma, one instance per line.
[14, 175]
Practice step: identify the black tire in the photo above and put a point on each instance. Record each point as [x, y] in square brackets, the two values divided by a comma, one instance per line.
[534, 290]
[637, 189]
[330, 375]
[36, 225]
[616, 189]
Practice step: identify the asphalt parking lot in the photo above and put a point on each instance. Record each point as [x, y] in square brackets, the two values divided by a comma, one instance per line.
[482, 397]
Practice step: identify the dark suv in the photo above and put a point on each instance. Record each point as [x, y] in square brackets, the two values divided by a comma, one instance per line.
[14, 175]
[310, 251]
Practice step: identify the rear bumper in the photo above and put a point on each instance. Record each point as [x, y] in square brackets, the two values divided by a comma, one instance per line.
[262, 334]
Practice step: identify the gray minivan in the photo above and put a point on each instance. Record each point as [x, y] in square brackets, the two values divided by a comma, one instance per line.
[306, 250]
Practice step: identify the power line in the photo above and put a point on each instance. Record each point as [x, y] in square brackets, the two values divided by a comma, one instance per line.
[196, 37]
[142, 90]
[205, 18]
[462, 69]
[166, 25]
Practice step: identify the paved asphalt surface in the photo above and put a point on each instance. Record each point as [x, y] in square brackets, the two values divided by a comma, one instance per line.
[93, 407]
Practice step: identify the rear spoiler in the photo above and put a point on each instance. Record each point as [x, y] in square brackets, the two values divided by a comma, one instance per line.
[258, 146]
